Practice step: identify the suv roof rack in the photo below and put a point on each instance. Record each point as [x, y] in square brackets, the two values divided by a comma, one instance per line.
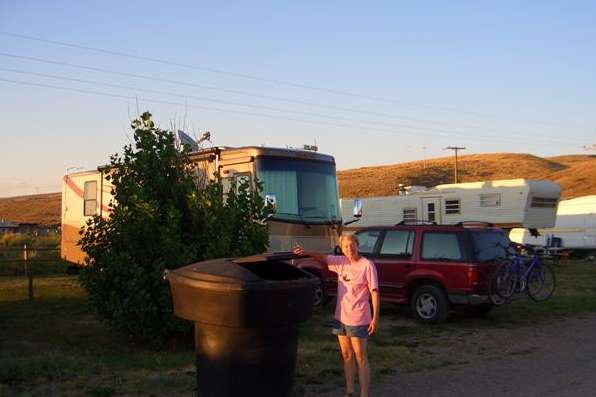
[415, 222]
[474, 223]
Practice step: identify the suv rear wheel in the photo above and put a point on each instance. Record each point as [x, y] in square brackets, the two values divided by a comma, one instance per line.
[429, 304]
[319, 297]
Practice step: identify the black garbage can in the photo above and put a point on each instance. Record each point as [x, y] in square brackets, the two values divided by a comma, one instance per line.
[246, 313]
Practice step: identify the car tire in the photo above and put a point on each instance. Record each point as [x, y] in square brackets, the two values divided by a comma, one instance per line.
[429, 304]
[478, 310]
[320, 299]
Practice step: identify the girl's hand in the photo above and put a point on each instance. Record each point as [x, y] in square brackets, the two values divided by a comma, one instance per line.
[372, 327]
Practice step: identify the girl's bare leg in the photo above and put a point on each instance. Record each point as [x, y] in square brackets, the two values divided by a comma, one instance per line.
[359, 348]
[347, 354]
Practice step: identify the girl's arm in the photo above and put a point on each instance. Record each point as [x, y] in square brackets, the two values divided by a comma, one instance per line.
[376, 305]
[317, 256]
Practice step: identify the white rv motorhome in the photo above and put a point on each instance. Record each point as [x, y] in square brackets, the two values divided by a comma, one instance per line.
[575, 225]
[505, 203]
[302, 182]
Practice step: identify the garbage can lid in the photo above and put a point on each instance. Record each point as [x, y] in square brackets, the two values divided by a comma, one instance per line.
[230, 270]
[268, 256]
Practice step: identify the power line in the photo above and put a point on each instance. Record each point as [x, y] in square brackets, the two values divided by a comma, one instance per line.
[118, 86]
[257, 78]
[244, 93]
[151, 100]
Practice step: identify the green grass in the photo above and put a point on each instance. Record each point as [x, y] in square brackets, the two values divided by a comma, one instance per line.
[55, 346]
[41, 262]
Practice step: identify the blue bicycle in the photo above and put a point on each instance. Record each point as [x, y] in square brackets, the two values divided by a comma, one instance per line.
[517, 274]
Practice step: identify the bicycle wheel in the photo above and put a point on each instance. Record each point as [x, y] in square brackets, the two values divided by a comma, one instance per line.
[541, 283]
[503, 280]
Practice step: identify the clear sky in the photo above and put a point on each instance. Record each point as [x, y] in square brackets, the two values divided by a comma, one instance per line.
[370, 82]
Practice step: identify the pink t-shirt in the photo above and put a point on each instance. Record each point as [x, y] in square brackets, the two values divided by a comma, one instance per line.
[355, 280]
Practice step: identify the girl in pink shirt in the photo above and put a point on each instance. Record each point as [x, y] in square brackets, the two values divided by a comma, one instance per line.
[356, 282]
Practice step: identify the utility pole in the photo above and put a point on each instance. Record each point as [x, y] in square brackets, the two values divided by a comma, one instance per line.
[455, 149]
[424, 156]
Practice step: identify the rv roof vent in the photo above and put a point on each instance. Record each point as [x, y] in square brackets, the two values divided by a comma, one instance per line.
[415, 189]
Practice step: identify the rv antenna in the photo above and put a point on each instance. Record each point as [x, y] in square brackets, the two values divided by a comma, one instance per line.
[138, 108]
[455, 149]
[185, 114]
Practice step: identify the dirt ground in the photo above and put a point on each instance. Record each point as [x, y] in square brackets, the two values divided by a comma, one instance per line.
[554, 358]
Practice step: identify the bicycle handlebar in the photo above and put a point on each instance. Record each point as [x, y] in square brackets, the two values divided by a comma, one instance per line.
[516, 247]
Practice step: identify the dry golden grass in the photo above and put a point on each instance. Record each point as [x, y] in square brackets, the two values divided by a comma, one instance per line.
[575, 173]
[43, 209]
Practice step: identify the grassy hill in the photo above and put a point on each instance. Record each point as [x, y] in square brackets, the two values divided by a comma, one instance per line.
[43, 209]
[575, 173]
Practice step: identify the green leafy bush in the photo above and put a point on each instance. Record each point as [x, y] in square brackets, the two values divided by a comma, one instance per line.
[161, 218]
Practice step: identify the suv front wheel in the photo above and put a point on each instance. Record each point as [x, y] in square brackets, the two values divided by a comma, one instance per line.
[429, 304]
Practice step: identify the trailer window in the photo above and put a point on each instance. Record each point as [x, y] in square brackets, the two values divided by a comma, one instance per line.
[431, 212]
[236, 180]
[490, 200]
[543, 202]
[409, 215]
[452, 206]
[90, 199]
[441, 247]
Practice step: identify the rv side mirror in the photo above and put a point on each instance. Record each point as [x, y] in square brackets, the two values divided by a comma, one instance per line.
[271, 200]
[357, 211]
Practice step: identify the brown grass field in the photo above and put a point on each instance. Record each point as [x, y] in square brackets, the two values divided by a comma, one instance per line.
[575, 173]
[43, 209]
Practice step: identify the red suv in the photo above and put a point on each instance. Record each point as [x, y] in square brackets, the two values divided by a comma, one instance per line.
[429, 267]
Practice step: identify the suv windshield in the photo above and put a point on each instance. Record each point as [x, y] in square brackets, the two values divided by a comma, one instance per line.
[489, 245]
[306, 190]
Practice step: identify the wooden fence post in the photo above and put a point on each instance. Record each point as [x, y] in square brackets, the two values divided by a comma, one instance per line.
[28, 273]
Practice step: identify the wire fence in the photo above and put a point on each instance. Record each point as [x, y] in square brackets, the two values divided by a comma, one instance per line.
[30, 262]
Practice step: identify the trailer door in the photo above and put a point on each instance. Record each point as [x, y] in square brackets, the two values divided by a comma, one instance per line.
[431, 209]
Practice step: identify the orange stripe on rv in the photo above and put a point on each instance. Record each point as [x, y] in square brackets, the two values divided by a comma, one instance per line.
[73, 186]
[79, 192]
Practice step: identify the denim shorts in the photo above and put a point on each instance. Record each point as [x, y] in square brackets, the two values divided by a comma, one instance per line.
[358, 331]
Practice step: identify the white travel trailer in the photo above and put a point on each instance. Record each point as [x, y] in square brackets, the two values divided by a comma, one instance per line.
[505, 203]
[575, 226]
[302, 183]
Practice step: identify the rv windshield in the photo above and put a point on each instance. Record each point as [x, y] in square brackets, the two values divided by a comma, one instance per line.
[306, 190]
